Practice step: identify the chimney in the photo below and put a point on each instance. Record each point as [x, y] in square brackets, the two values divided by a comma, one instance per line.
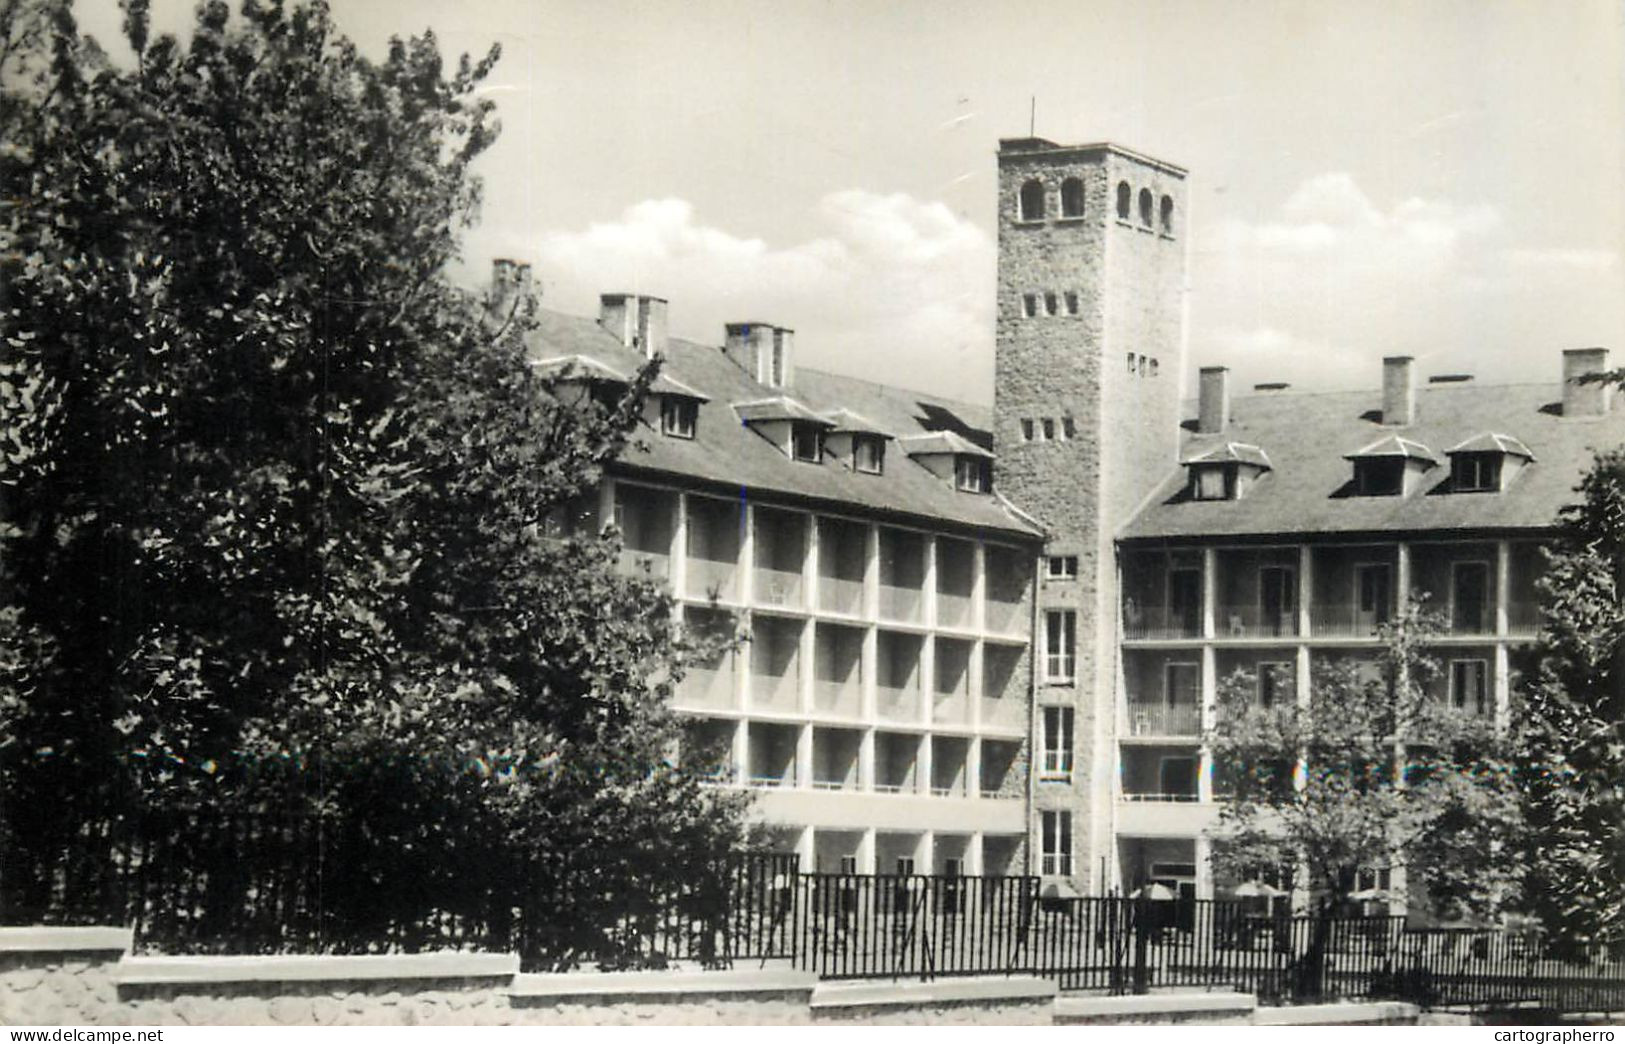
[1213, 400]
[764, 351]
[510, 283]
[1398, 391]
[1585, 400]
[638, 321]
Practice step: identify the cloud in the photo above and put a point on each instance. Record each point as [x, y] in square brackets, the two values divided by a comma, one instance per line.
[1317, 292]
[893, 288]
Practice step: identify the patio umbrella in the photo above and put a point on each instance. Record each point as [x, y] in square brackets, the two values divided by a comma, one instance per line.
[1155, 891]
[1255, 890]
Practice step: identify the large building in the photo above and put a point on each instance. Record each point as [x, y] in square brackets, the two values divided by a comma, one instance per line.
[990, 642]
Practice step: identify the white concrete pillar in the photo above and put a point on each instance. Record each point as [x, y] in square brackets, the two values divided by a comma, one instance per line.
[806, 664]
[866, 851]
[922, 765]
[871, 573]
[927, 676]
[1208, 711]
[973, 855]
[1402, 575]
[606, 503]
[809, 565]
[925, 853]
[804, 757]
[1503, 687]
[1503, 586]
[747, 557]
[869, 666]
[973, 767]
[741, 753]
[973, 687]
[1306, 587]
[1210, 590]
[928, 596]
[806, 849]
[978, 593]
[1204, 867]
[679, 548]
[866, 761]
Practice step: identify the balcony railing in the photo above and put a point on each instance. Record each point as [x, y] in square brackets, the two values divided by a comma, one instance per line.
[900, 603]
[1523, 618]
[645, 563]
[1250, 621]
[955, 789]
[1158, 622]
[1005, 617]
[1466, 620]
[764, 780]
[995, 791]
[844, 698]
[706, 689]
[950, 708]
[1152, 795]
[839, 595]
[1343, 621]
[835, 784]
[897, 704]
[773, 692]
[777, 587]
[906, 787]
[705, 578]
[1161, 719]
[954, 610]
[1004, 712]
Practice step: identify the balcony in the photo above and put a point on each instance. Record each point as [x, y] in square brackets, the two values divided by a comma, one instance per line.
[1523, 619]
[778, 587]
[1156, 622]
[840, 698]
[1250, 621]
[1006, 617]
[956, 582]
[774, 692]
[651, 564]
[950, 708]
[1003, 712]
[901, 604]
[954, 610]
[1473, 619]
[706, 689]
[1183, 796]
[1162, 719]
[1344, 622]
[897, 704]
[838, 595]
[708, 579]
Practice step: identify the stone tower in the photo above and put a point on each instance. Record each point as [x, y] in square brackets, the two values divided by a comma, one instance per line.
[1089, 367]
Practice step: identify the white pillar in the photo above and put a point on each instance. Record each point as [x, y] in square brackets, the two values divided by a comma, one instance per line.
[606, 503]
[928, 596]
[866, 851]
[978, 592]
[806, 853]
[1306, 587]
[804, 757]
[1204, 867]
[973, 855]
[866, 760]
[1210, 590]
[1207, 711]
[1402, 553]
[1503, 585]
[741, 753]
[927, 675]
[871, 573]
[679, 548]
[809, 565]
[922, 765]
[1503, 687]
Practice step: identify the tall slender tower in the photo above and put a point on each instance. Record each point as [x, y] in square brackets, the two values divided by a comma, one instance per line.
[1089, 367]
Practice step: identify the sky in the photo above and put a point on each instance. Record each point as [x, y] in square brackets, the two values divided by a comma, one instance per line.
[1436, 178]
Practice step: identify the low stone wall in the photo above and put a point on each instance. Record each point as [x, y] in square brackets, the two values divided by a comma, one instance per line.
[59, 975]
[1012, 1001]
[765, 997]
[1200, 1009]
[1351, 1013]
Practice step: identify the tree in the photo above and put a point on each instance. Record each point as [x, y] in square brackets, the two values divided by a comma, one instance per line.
[1374, 770]
[274, 491]
[1573, 772]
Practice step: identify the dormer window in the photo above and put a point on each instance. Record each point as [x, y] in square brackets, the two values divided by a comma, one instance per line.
[807, 442]
[1486, 463]
[678, 416]
[972, 474]
[1227, 471]
[868, 454]
[1390, 467]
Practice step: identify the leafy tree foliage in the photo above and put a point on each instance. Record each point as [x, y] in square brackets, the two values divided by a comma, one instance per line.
[1374, 769]
[1574, 770]
[272, 490]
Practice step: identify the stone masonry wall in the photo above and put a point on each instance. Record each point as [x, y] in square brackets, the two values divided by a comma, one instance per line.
[60, 987]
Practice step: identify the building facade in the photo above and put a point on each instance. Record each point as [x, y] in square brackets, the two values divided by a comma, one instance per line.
[947, 676]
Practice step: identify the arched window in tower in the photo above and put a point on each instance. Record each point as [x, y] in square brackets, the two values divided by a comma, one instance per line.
[1032, 201]
[1145, 207]
[1072, 198]
[1168, 215]
[1125, 196]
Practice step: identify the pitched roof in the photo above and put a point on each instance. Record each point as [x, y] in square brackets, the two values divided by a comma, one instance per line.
[778, 408]
[585, 367]
[1490, 442]
[941, 443]
[844, 420]
[1310, 489]
[733, 458]
[1232, 453]
[1393, 446]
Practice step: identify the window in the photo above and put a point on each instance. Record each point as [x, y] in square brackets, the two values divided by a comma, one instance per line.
[1124, 200]
[868, 454]
[1140, 365]
[1056, 846]
[1032, 201]
[1061, 567]
[1145, 207]
[1469, 686]
[1470, 597]
[971, 474]
[1072, 198]
[1213, 482]
[1052, 306]
[1476, 472]
[776, 364]
[807, 443]
[1182, 685]
[1057, 743]
[1153, 367]
[849, 864]
[905, 866]
[1071, 302]
[1373, 600]
[1278, 600]
[677, 416]
[1060, 644]
[1185, 601]
[1176, 778]
[1379, 477]
[1274, 683]
[1168, 215]
[1069, 428]
[1049, 429]
[1026, 429]
[1130, 362]
[1029, 305]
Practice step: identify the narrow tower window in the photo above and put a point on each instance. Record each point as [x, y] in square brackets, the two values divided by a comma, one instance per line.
[1145, 207]
[1124, 196]
[1032, 201]
[1168, 215]
[1072, 198]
